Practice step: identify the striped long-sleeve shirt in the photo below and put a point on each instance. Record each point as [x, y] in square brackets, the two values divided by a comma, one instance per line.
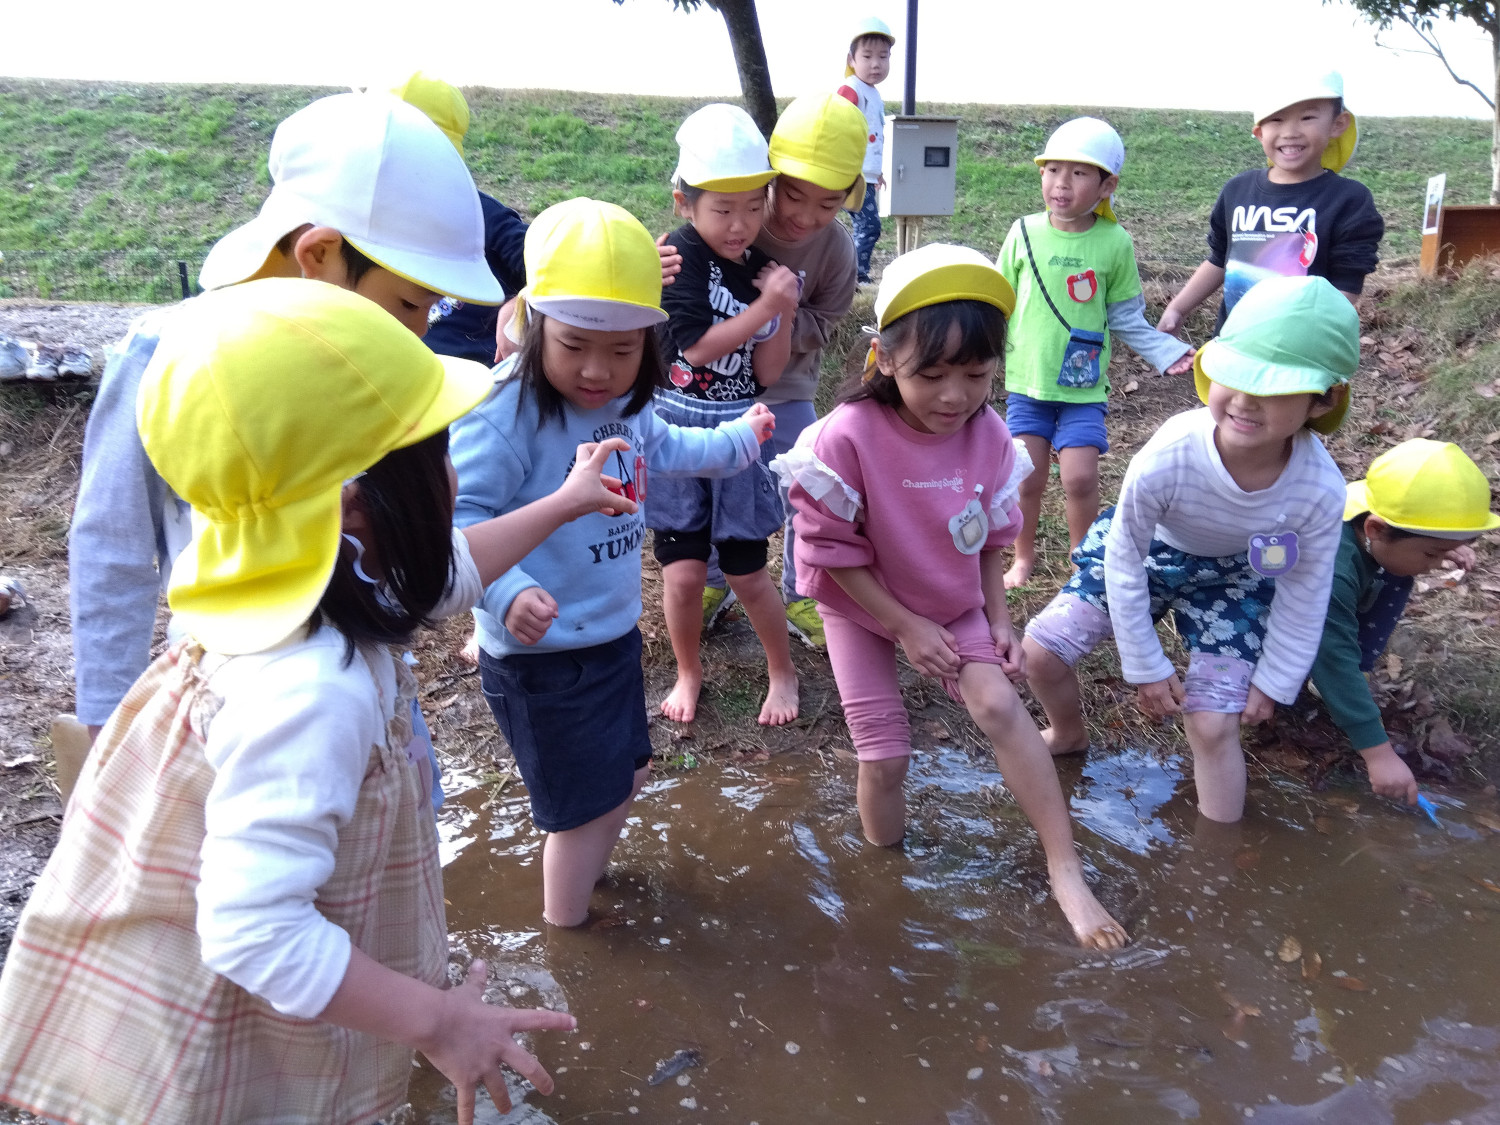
[1177, 490]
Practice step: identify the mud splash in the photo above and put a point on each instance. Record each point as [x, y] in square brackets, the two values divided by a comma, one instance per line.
[820, 980]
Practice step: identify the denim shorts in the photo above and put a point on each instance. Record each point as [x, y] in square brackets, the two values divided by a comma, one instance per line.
[1063, 424]
[576, 723]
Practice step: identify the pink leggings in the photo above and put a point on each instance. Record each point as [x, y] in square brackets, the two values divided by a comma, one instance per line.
[864, 667]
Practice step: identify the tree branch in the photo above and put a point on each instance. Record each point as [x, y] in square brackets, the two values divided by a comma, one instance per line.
[1424, 32]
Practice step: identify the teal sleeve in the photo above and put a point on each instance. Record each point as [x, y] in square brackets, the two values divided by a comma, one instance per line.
[1335, 672]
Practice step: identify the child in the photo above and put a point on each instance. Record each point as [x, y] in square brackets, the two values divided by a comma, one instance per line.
[243, 918]
[1076, 282]
[817, 149]
[732, 313]
[1229, 517]
[1296, 217]
[1419, 507]
[560, 653]
[905, 495]
[366, 193]
[866, 67]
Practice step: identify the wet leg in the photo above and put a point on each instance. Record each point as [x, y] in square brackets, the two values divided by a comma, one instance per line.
[882, 800]
[1218, 764]
[1055, 685]
[573, 861]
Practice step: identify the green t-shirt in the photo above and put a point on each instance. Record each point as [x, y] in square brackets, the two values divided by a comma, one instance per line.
[1084, 272]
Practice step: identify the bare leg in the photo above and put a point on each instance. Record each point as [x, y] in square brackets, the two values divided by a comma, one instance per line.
[1055, 686]
[1079, 465]
[682, 605]
[1031, 510]
[882, 800]
[469, 654]
[573, 861]
[1218, 764]
[767, 613]
[1028, 771]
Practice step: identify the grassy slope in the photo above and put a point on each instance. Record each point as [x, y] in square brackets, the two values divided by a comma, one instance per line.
[136, 170]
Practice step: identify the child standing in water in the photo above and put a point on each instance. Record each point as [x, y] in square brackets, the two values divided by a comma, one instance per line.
[905, 496]
[560, 652]
[1419, 507]
[729, 337]
[243, 918]
[1229, 517]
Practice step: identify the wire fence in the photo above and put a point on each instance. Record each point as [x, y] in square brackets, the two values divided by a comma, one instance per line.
[150, 275]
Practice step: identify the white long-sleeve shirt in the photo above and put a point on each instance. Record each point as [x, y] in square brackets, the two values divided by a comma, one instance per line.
[1177, 490]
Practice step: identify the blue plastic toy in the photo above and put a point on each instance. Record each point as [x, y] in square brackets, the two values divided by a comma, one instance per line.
[1429, 808]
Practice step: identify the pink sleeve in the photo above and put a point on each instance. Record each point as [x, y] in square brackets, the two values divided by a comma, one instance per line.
[848, 94]
[825, 540]
[998, 444]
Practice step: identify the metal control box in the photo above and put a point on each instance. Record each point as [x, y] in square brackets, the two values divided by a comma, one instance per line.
[921, 165]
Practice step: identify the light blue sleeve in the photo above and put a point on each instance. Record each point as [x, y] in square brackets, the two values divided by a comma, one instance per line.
[691, 451]
[1127, 320]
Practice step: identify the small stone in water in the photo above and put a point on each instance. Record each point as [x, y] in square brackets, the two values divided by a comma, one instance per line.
[792, 1048]
[975, 1072]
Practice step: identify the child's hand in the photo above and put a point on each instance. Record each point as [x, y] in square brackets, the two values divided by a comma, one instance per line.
[780, 286]
[1462, 557]
[1008, 649]
[1183, 366]
[671, 260]
[530, 615]
[1162, 698]
[1389, 775]
[1258, 707]
[473, 1038]
[929, 647]
[762, 421]
[1170, 323]
[589, 489]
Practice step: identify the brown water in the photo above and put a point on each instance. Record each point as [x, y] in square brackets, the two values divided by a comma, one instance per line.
[822, 980]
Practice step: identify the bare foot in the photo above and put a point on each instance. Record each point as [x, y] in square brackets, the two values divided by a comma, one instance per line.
[1019, 573]
[1093, 926]
[469, 654]
[681, 704]
[780, 706]
[1059, 744]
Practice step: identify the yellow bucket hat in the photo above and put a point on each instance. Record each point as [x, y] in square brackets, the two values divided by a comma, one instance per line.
[443, 103]
[592, 265]
[1427, 487]
[1290, 88]
[261, 400]
[822, 139]
[939, 272]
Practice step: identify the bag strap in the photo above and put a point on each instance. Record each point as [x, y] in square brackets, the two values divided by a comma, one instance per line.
[1036, 273]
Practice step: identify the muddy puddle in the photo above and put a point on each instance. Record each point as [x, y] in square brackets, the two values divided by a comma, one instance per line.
[1330, 960]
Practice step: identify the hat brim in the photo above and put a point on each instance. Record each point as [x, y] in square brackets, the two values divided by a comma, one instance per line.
[464, 279]
[959, 281]
[242, 253]
[1241, 373]
[820, 176]
[595, 313]
[728, 184]
[1358, 501]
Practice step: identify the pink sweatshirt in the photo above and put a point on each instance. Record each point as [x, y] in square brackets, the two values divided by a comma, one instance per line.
[871, 491]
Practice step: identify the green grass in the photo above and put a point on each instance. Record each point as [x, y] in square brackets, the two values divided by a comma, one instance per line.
[104, 186]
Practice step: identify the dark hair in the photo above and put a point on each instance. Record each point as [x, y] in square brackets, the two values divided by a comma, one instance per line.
[1396, 534]
[550, 404]
[689, 192]
[981, 332]
[409, 501]
[356, 265]
[863, 39]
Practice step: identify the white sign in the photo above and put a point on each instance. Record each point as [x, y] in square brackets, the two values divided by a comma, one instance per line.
[1434, 206]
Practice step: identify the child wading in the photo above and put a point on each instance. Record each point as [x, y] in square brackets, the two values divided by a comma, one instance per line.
[905, 495]
[1228, 517]
[729, 337]
[560, 652]
[243, 919]
[1418, 508]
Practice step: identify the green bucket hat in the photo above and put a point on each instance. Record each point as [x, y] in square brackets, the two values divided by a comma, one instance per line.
[1286, 336]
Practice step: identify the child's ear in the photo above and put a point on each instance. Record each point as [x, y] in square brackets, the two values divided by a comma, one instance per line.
[680, 206]
[1328, 401]
[318, 255]
[1109, 185]
[1255, 130]
[1375, 527]
[1340, 123]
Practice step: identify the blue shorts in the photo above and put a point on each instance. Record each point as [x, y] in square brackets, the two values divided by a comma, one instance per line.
[1064, 425]
[576, 723]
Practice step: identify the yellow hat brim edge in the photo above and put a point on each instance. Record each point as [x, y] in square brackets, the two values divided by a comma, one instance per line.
[1105, 207]
[968, 283]
[1358, 501]
[821, 176]
[1326, 424]
[729, 184]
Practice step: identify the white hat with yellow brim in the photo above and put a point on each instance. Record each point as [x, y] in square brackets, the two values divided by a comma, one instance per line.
[1429, 488]
[1087, 140]
[1288, 89]
[1286, 336]
[260, 401]
[443, 103]
[591, 264]
[866, 28]
[821, 138]
[720, 149]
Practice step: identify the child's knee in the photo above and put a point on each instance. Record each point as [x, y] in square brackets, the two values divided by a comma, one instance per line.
[883, 775]
[990, 699]
[1080, 482]
[1212, 731]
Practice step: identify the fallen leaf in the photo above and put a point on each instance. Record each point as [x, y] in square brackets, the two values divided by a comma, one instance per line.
[1420, 894]
[1444, 745]
[1393, 666]
[1486, 884]
[982, 1043]
[1135, 385]
[20, 760]
[1246, 860]
[1492, 437]
[1489, 820]
[1351, 984]
[1312, 966]
[1291, 949]
[1407, 389]
[1322, 825]
[1381, 427]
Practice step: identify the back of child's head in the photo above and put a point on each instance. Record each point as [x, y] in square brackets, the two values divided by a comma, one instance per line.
[379, 172]
[1286, 336]
[821, 138]
[924, 295]
[443, 103]
[719, 148]
[1300, 83]
[1425, 488]
[262, 401]
[592, 266]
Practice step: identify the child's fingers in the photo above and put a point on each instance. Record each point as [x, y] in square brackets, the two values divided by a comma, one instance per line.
[466, 1102]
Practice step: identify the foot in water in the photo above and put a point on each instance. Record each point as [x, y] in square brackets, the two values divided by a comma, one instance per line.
[1059, 744]
[1093, 926]
[780, 706]
[681, 703]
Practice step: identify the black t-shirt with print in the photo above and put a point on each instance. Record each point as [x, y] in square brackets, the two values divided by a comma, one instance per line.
[1324, 227]
[710, 289]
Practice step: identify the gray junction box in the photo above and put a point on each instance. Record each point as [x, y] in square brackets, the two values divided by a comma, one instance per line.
[921, 165]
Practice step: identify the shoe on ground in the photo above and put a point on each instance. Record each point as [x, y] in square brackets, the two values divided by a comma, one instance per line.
[43, 366]
[14, 359]
[76, 363]
[716, 600]
[804, 623]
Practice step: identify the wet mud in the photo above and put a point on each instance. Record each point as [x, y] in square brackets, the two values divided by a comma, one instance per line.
[1331, 959]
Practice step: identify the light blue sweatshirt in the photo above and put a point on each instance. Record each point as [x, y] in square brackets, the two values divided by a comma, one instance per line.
[506, 458]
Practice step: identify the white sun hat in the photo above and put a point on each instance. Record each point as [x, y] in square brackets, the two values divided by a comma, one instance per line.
[720, 149]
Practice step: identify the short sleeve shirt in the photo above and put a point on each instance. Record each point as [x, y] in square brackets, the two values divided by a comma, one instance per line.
[709, 290]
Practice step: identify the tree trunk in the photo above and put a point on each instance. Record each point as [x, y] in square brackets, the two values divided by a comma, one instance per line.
[750, 60]
[1495, 125]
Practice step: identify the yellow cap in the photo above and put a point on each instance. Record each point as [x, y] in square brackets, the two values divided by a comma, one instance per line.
[592, 265]
[822, 139]
[936, 273]
[260, 401]
[1427, 487]
[443, 103]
